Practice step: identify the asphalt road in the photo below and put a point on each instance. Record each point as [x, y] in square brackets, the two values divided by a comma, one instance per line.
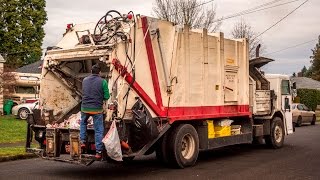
[298, 159]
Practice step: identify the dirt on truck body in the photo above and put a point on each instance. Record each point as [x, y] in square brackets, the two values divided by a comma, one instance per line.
[174, 90]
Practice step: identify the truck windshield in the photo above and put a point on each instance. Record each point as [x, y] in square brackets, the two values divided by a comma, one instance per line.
[285, 87]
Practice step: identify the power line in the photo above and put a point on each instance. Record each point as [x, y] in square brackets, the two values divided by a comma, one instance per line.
[253, 10]
[281, 19]
[292, 46]
[201, 4]
[247, 10]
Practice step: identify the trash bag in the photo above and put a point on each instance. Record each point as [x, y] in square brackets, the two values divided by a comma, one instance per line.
[143, 129]
[112, 144]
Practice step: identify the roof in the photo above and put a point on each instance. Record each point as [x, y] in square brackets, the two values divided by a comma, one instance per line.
[306, 83]
[31, 68]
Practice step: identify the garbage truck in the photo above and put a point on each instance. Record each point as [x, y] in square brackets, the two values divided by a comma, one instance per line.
[174, 91]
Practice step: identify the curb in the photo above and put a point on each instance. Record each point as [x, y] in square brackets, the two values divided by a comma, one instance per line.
[17, 157]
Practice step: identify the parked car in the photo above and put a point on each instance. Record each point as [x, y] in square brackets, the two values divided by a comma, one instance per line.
[22, 111]
[302, 114]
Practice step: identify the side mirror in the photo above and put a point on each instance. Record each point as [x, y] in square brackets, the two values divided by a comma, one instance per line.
[286, 104]
[294, 85]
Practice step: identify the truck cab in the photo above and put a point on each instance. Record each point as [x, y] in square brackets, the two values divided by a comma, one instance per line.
[281, 86]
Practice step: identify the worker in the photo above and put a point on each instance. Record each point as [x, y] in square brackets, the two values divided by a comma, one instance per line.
[95, 91]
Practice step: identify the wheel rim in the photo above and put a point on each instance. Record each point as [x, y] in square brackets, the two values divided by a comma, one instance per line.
[23, 114]
[278, 134]
[187, 146]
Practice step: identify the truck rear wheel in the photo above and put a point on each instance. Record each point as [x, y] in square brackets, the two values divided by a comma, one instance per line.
[276, 138]
[184, 146]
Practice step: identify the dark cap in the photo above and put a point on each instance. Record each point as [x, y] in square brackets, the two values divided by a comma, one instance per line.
[95, 69]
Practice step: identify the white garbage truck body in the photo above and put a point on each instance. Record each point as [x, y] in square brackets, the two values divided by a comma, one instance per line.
[199, 89]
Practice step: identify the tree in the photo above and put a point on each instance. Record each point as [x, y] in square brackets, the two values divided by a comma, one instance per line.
[21, 31]
[294, 74]
[7, 81]
[304, 71]
[243, 29]
[315, 61]
[189, 12]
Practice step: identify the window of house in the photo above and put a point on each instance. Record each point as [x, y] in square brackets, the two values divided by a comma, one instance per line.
[25, 90]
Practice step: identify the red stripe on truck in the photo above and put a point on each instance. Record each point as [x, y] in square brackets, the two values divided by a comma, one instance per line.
[183, 113]
[152, 62]
[205, 112]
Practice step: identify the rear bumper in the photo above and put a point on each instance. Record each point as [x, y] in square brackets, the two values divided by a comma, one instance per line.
[85, 160]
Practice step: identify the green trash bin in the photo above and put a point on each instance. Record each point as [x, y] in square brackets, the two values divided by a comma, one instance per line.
[7, 106]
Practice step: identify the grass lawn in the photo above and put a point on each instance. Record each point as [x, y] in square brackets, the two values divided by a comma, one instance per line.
[12, 129]
[12, 151]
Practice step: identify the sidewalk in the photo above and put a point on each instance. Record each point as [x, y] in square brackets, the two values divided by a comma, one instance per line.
[16, 144]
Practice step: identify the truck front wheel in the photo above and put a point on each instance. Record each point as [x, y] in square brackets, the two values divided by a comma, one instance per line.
[276, 137]
[184, 146]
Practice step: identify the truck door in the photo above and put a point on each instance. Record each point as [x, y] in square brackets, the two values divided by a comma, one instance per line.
[286, 102]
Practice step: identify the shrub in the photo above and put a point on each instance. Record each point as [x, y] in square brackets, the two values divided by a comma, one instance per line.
[309, 97]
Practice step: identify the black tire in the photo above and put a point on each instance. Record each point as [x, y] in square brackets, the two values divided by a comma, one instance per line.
[150, 151]
[183, 147]
[23, 113]
[314, 118]
[299, 121]
[128, 159]
[162, 148]
[276, 138]
[257, 140]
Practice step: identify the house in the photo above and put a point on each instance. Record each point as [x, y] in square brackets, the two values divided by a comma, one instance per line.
[34, 68]
[306, 83]
[2, 61]
[27, 82]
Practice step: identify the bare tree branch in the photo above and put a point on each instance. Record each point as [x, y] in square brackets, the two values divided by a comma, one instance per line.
[189, 12]
[242, 29]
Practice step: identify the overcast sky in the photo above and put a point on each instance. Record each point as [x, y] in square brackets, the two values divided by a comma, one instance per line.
[301, 26]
